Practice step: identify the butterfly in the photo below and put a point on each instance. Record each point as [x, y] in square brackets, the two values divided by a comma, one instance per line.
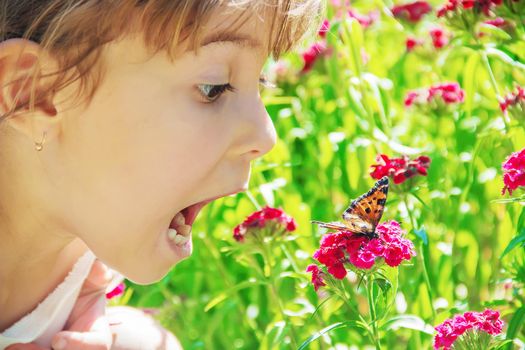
[363, 214]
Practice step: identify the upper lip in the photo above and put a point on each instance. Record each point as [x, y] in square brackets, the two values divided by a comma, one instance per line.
[191, 211]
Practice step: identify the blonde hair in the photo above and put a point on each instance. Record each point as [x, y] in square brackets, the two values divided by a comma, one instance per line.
[74, 32]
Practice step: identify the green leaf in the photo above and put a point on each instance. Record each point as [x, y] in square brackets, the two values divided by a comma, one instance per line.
[518, 240]
[491, 51]
[225, 294]
[409, 322]
[515, 324]
[494, 31]
[326, 330]
[469, 81]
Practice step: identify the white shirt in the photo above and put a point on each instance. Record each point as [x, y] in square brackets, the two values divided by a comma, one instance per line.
[50, 315]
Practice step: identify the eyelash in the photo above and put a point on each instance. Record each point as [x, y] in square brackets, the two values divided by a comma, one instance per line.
[221, 89]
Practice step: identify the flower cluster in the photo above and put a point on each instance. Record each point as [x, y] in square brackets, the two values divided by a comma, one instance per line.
[514, 99]
[118, 290]
[514, 171]
[266, 217]
[413, 12]
[340, 248]
[449, 93]
[452, 6]
[447, 332]
[399, 169]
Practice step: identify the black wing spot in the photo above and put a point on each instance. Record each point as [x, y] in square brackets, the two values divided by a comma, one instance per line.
[381, 201]
[375, 211]
[369, 202]
[368, 210]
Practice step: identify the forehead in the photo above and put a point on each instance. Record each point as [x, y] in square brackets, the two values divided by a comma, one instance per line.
[243, 28]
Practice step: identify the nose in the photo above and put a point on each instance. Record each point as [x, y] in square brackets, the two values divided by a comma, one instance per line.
[257, 134]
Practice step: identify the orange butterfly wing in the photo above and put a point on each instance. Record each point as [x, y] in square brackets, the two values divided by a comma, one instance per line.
[364, 213]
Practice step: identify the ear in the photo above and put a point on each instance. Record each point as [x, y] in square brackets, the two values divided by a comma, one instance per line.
[20, 60]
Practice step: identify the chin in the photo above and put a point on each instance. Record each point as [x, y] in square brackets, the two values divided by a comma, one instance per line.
[147, 276]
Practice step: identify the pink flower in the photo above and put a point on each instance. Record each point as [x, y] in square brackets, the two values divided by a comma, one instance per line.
[341, 248]
[267, 216]
[447, 332]
[118, 290]
[448, 93]
[311, 55]
[514, 171]
[413, 11]
[325, 26]
[496, 22]
[364, 20]
[399, 169]
[439, 38]
[317, 276]
[514, 99]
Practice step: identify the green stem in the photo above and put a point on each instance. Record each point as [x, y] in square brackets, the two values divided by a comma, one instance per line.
[229, 285]
[372, 308]
[252, 199]
[486, 62]
[272, 283]
[422, 258]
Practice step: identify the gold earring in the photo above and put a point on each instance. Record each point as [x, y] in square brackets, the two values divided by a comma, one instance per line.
[40, 145]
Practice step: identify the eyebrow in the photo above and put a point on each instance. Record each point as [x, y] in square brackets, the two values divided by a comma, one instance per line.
[242, 41]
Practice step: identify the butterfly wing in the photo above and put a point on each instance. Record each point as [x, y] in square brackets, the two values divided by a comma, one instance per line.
[364, 213]
[331, 225]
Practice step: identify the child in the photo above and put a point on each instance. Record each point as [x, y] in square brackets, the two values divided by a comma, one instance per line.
[119, 121]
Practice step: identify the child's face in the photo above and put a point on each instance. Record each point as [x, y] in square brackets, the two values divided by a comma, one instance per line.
[150, 145]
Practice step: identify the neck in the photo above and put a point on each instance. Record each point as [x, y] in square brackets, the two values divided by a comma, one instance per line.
[37, 251]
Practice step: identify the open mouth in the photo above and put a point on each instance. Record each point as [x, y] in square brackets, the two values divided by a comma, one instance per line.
[191, 212]
[179, 231]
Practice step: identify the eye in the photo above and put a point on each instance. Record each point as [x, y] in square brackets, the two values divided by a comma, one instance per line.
[212, 92]
[265, 83]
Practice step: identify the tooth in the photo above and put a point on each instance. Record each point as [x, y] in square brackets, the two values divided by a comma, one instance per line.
[180, 240]
[179, 219]
[172, 233]
[184, 230]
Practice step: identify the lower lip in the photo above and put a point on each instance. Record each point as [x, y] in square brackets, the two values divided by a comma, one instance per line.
[182, 251]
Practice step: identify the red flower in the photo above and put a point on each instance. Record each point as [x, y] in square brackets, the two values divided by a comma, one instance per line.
[514, 99]
[317, 276]
[311, 55]
[477, 6]
[412, 11]
[447, 332]
[514, 171]
[338, 249]
[399, 169]
[267, 216]
[118, 290]
[439, 38]
[411, 43]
